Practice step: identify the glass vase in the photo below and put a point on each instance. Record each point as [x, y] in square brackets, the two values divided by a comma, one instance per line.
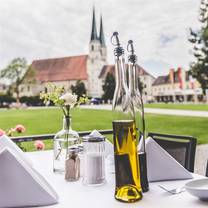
[63, 140]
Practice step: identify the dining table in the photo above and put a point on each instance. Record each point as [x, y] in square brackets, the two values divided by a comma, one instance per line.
[78, 195]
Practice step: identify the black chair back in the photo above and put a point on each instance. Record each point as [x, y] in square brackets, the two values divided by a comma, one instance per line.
[206, 174]
[182, 148]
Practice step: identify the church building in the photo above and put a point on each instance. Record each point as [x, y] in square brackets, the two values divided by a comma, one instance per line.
[91, 69]
[67, 70]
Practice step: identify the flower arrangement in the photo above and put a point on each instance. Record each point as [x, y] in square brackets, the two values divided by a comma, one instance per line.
[66, 100]
[59, 97]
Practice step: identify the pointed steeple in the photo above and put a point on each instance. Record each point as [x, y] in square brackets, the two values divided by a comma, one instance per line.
[101, 36]
[94, 29]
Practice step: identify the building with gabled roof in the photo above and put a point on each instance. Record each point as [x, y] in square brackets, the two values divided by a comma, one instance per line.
[65, 71]
[146, 78]
[177, 86]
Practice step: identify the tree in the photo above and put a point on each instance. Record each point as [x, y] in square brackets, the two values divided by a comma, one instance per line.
[199, 39]
[141, 86]
[79, 89]
[16, 73]
[109, 87]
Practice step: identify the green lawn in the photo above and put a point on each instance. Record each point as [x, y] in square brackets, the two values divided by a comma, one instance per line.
[43, 121]
[200, 107]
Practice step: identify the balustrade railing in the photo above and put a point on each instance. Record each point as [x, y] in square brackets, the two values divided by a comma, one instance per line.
[50, 136]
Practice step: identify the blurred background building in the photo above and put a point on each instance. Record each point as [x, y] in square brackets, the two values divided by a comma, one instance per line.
[177, 86]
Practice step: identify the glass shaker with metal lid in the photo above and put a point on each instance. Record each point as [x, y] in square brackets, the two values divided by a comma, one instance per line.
[94, 160]
[72, 164]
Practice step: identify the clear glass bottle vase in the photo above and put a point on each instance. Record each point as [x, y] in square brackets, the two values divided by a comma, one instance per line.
[63, 140]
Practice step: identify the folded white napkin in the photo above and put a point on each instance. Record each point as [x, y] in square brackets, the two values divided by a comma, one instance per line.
[5, 141]
[20, 184]
[108, 144]
[161, 165]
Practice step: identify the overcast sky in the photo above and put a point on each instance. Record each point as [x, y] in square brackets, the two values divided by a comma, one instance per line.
[38, 29]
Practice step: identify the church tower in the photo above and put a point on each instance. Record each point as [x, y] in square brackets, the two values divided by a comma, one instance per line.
[103, 49]
[96, 59]
[94, 46]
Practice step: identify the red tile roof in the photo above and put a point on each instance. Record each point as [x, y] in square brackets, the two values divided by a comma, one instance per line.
[111, 69]
[61, 69]
[107, 69]
[166, 78]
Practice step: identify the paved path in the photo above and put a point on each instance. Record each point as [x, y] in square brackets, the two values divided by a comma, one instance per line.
[191, 113]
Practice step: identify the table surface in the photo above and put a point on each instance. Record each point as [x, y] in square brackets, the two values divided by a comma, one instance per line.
[75, 194]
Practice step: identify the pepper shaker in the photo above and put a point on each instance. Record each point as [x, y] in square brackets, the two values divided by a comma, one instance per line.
[72, 165]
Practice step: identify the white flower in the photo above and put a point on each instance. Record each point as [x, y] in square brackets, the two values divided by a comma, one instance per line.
[70, 99]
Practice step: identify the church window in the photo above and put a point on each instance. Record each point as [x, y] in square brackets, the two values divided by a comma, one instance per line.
[28, 88]
[92, 47]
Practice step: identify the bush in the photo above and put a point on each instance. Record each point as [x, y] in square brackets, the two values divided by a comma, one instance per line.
[32, 100]
[5, 100]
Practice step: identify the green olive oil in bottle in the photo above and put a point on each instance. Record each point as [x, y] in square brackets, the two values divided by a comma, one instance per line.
[127, 174]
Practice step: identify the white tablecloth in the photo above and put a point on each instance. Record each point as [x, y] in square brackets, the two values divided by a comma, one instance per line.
[76, 195]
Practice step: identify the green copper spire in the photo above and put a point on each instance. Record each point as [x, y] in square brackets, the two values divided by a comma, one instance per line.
[94, 29]
[101, 37]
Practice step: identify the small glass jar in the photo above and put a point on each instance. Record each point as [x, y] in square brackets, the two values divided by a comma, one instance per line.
[72, 165]
[94, 160]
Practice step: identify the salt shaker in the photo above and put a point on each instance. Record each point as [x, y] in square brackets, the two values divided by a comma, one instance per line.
[94, 160]
[72, 165]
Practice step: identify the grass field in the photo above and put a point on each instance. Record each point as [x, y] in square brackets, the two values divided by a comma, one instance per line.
[200, 107]
[44, 121]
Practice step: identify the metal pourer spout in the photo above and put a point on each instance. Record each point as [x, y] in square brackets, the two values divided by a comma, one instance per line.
[118, 51]
[130, 48]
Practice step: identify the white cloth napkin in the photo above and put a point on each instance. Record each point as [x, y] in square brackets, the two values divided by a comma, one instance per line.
[5, 141]
[161, 166]
[108, 144]
[20, 184]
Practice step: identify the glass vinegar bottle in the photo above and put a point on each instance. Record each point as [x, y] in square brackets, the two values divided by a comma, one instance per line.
[127, 174]
[136, 97]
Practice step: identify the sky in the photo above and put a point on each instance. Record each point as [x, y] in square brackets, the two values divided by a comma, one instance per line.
[39, 29]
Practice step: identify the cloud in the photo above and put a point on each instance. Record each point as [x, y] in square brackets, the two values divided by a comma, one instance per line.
[37, 29]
